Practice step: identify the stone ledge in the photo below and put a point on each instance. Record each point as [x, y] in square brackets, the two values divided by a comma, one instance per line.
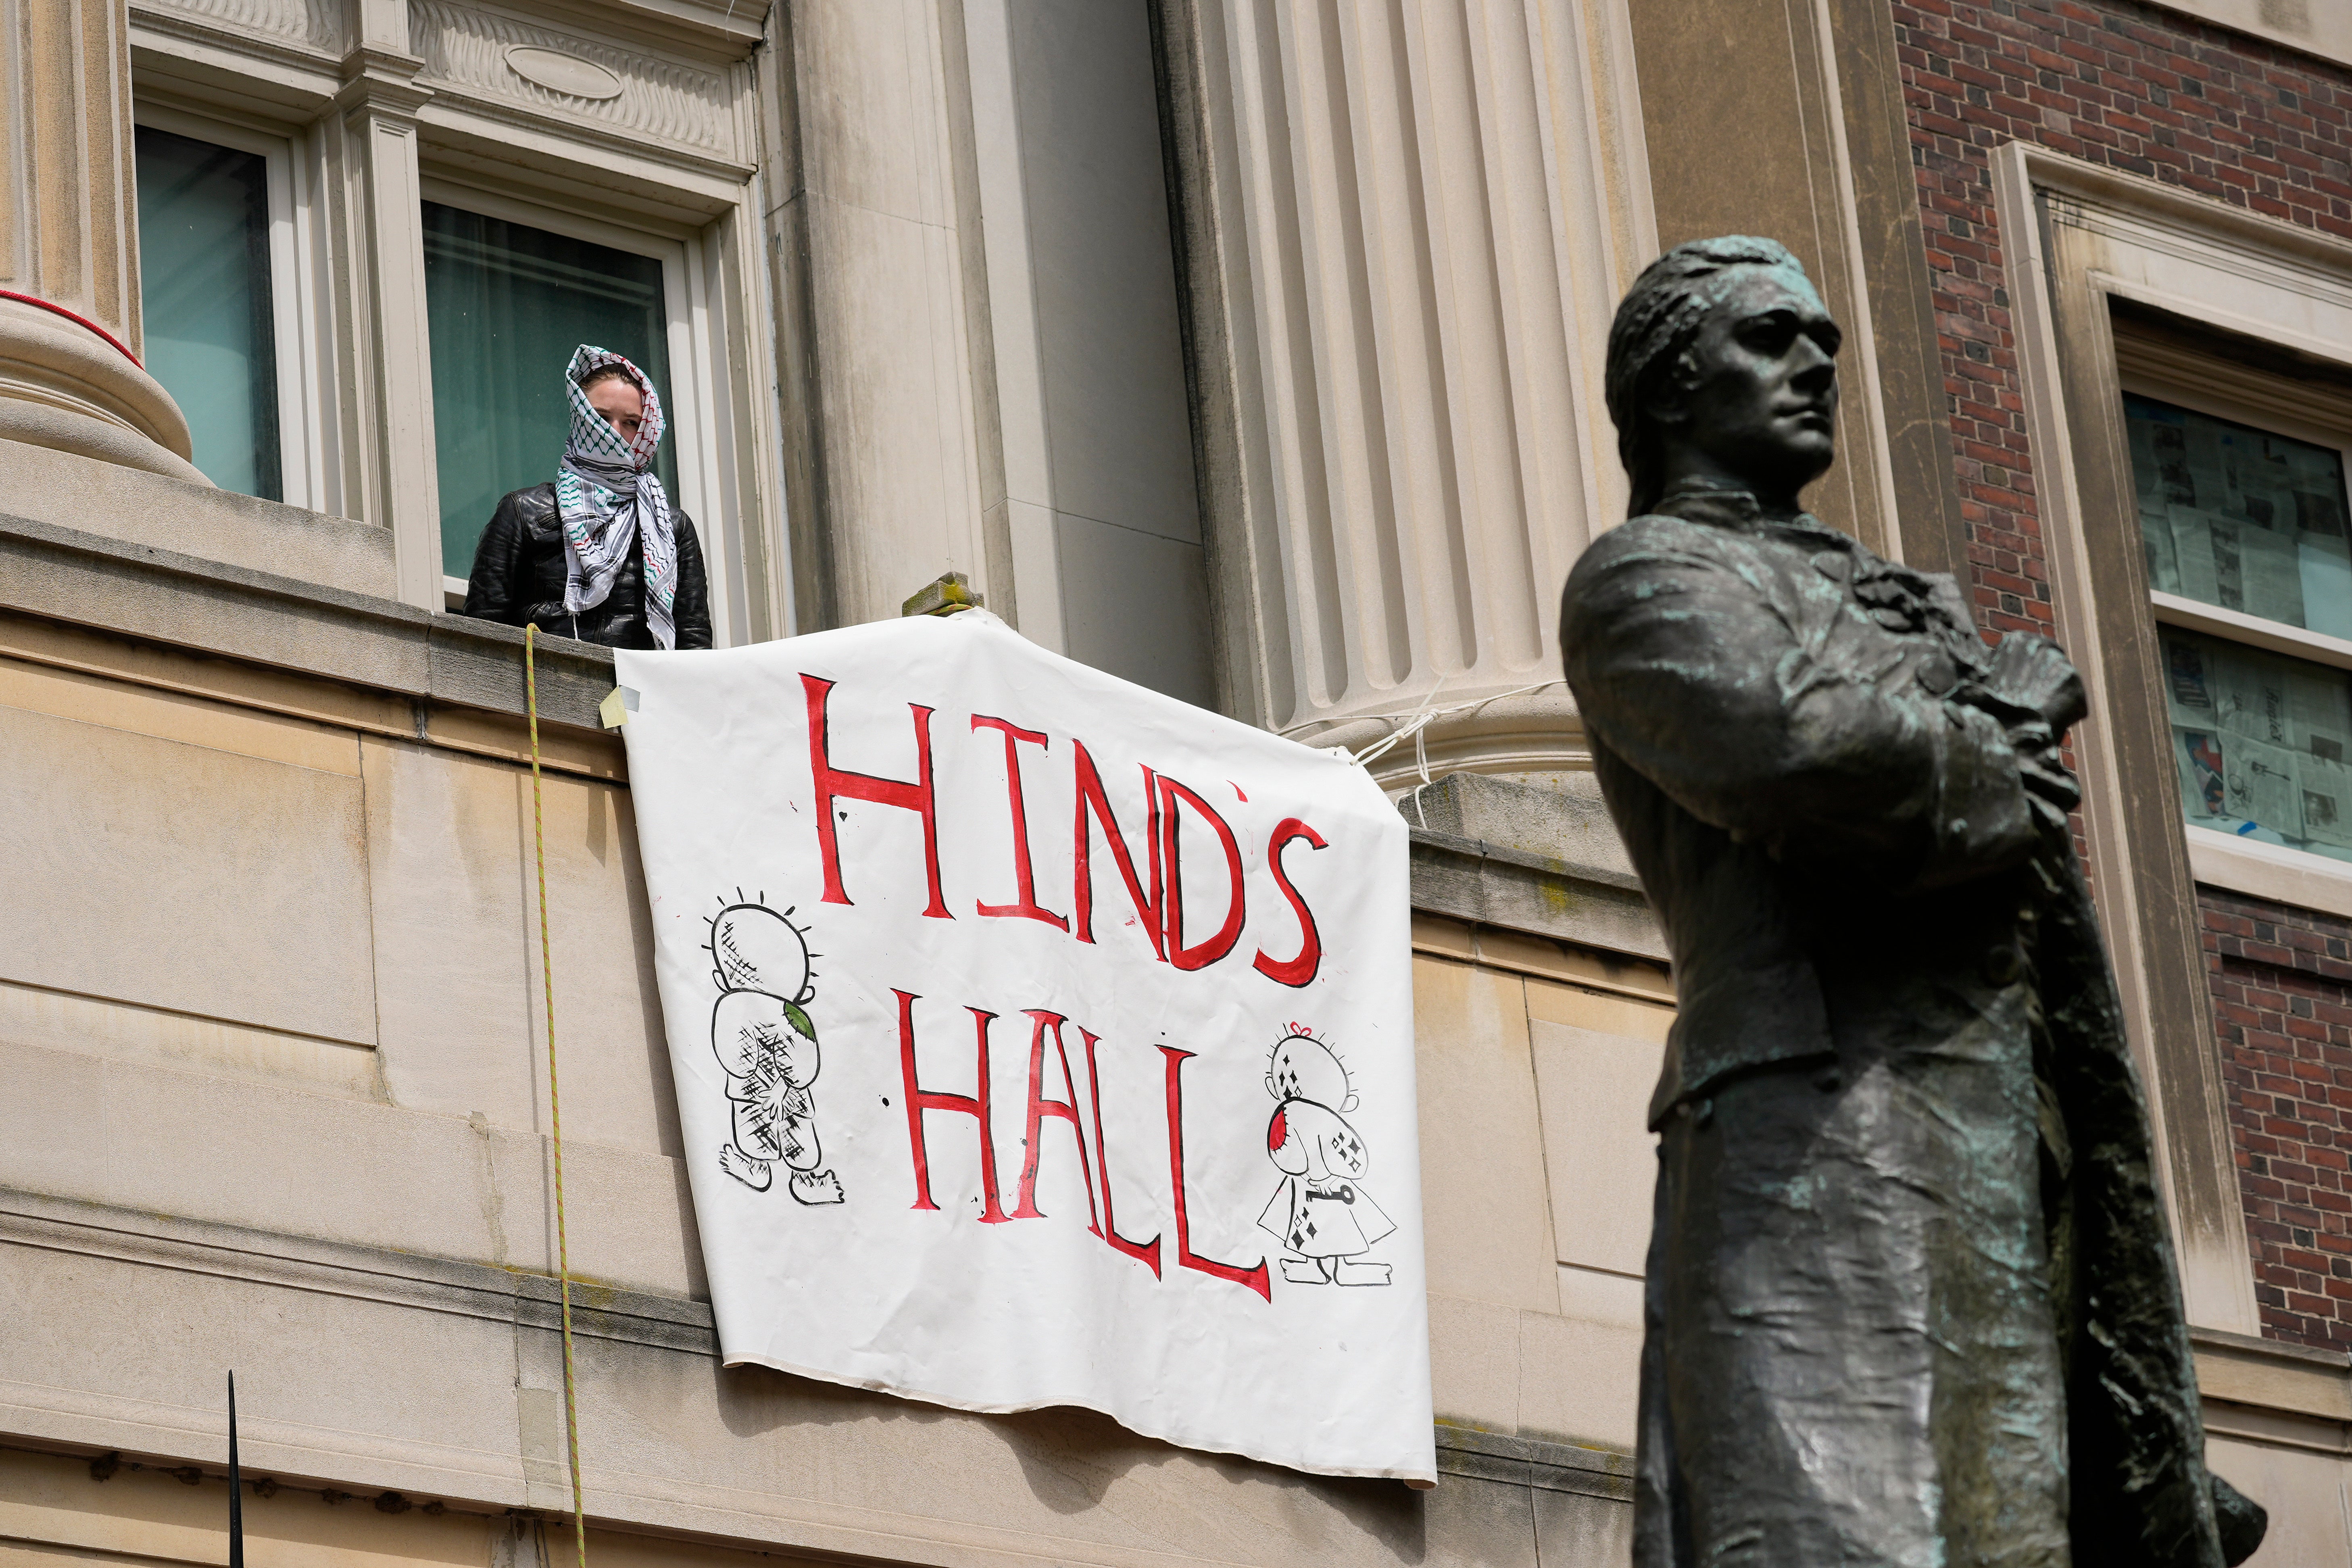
[1542, 958]
[414, 1280]
[1545, 860]
[78, 492]
[2272, 1375]
[424, 1283]
[1534, 1462]
[1504, 855]
[1487, 884]
[239, 612]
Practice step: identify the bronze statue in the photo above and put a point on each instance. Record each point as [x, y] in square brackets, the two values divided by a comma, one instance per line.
[1910, 1300]
[599, 554]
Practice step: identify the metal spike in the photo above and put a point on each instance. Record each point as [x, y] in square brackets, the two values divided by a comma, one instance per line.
[235, 1486]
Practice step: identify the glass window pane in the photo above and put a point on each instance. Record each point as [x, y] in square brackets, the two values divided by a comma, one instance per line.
[203, 300]
[2241, 518]
[2260, 743]
[506, 304]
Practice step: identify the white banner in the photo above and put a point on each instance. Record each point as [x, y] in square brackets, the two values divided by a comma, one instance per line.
[1039, 1039]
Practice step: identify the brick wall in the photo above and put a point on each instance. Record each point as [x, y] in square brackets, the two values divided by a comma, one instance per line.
[2228, 116]
[2282, 983]
[2146, 91]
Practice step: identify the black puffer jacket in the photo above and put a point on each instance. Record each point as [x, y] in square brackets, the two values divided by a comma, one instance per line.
[519, 577]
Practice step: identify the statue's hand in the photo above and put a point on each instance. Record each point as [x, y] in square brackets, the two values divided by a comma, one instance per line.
[2050, 789]
[2032, 673]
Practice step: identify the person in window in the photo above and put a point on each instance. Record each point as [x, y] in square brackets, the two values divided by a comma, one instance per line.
[599, 554]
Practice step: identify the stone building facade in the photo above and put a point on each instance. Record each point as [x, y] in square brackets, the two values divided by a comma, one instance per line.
[1248, 348]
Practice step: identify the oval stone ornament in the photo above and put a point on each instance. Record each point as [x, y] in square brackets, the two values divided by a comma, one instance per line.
[566, 74]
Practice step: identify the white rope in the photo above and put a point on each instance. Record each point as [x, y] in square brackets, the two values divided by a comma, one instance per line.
[1421, 719]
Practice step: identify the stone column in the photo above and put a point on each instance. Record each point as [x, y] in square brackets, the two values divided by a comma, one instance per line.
[895, 469]
[389, 473]
[69, 333]
[1407, 226]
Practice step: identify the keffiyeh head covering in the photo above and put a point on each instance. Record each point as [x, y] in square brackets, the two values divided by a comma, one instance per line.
[606, 496]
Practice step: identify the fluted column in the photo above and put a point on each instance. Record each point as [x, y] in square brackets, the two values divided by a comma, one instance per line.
[69, 333]
[1408, 222]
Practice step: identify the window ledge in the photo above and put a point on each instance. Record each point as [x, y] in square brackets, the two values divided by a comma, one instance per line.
[2302, 1380]
[2193, 615]
[144, 592]
[2269, 871]
[1471, 880]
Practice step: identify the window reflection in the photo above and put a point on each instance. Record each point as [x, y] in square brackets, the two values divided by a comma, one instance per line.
[205, 303]
[2241, 518]
[2260, 742]
[2253, 521]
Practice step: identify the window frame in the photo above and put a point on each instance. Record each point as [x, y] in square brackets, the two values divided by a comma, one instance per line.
[2088, 253]
[304, 410]
[360, 154]
[2267, 401]
[692, 400]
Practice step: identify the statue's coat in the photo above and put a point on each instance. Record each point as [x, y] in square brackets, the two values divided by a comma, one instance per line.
[1887, 963]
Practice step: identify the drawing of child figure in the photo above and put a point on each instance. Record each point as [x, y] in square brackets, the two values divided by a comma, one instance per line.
[767, 1047]
[1323, 1220]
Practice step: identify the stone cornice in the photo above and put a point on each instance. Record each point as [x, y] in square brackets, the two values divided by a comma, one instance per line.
[2269, 1374]
[1480, 883]
[337, 1268]
[161, 26]
[383, 81]
[733, 30]
[236, 611]
[460, 116]
[2187, 212]
[1534, 1462]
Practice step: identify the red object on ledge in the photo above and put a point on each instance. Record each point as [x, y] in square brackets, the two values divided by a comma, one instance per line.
[74, 317]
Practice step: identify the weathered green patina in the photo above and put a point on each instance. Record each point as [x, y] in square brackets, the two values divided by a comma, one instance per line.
[1910, 1298]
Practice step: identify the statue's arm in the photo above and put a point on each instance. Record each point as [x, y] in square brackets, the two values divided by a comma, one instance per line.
[1683, 663]
[690, 610]
[498, 588]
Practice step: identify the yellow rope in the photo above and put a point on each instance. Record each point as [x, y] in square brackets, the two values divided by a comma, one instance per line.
[554, 1107]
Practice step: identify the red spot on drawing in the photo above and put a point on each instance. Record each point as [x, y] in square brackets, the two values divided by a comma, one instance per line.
[1237, 790]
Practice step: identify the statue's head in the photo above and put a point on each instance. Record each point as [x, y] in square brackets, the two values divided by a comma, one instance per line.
[1723, 363]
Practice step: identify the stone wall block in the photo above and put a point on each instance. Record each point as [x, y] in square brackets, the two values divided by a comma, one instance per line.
[1480, 1135]
[192, 874]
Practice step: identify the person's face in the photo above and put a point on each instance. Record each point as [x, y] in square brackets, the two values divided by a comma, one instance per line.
[622, 406]
[1762, 405]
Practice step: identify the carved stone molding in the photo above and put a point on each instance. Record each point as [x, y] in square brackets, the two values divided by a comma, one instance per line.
[468, 48]
[318, 24]
[62, 387]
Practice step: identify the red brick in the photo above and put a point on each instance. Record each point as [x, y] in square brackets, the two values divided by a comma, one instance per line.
[2083, 76]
